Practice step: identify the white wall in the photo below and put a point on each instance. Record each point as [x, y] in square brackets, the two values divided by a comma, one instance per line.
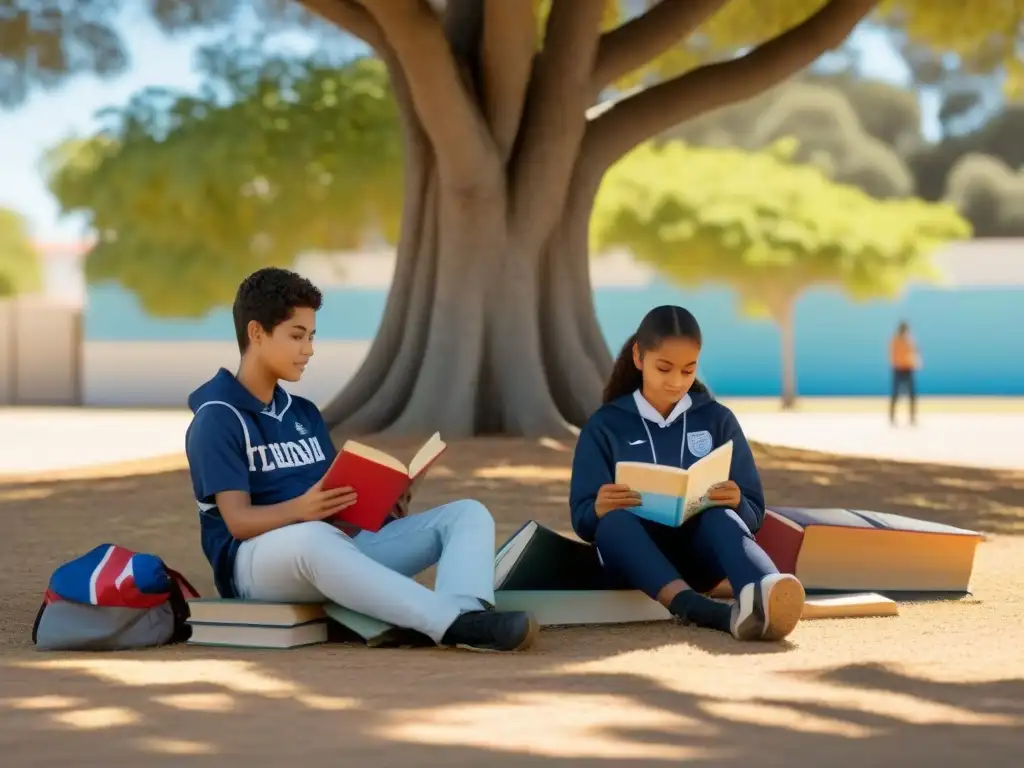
[39, 344]
[158, 374]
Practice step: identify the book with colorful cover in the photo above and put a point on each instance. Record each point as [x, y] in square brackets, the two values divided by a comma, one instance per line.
[379, 479]
[671, 495]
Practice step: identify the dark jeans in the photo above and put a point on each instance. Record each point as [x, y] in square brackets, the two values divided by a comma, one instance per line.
[714, 545]
[903, 380]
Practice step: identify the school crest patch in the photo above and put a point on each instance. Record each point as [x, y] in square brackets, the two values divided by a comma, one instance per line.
[699, 443]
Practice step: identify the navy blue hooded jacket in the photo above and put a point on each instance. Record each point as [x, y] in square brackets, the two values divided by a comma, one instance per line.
[273, 452]
[617, 432]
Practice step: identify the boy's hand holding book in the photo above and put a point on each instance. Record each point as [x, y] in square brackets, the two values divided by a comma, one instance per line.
[401, 508]
[318, 504]
[384, 484]
[615, 496]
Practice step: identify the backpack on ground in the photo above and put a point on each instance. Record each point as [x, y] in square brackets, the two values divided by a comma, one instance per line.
[112, 598]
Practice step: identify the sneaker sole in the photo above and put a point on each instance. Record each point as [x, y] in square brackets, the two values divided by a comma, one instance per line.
[783, 608]
[532, 630]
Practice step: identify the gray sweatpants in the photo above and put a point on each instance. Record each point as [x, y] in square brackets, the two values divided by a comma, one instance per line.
[372, 572]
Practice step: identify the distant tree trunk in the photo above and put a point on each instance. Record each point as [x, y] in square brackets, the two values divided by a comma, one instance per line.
[490, 324]
[787, 333]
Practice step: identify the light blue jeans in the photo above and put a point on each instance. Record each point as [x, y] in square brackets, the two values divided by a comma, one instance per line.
[372, 572]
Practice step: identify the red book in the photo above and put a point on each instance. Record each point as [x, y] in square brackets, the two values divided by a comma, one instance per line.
[378, 479]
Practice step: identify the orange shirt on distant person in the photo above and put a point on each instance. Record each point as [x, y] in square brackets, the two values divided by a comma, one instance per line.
[903, 353]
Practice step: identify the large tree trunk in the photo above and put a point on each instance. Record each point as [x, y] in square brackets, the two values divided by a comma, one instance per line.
[481, 337]
[490, 324]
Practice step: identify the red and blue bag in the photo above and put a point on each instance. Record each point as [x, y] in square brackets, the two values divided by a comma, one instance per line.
[112, 598]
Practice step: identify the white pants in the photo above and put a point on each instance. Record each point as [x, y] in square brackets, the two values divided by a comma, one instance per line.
[372, 572]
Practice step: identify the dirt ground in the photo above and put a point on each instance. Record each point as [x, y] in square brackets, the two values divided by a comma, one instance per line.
[940, 685]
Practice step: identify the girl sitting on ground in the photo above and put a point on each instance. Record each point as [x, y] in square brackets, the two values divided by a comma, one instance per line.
[656, 411]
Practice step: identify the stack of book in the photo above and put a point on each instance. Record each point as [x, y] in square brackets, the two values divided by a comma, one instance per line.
[560, 580]
[256, 624]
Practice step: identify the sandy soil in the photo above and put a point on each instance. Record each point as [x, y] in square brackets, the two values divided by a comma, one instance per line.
[942, 684]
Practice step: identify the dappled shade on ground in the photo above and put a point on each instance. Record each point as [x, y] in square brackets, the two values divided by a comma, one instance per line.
[854, 692]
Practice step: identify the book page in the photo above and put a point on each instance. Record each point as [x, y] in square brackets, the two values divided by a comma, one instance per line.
[373, 454]
[433, 448]
[713, 468]
[652, 478]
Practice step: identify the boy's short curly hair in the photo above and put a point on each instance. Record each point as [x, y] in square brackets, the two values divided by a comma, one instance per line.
[270, 296]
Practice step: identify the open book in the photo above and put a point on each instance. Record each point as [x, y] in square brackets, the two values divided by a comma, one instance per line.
[378, 479]
[670, 495]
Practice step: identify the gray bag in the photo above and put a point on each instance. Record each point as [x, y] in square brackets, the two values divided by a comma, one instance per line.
[65, 626]
[113, 599]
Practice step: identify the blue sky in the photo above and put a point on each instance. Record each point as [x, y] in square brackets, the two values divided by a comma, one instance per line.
[156, 60]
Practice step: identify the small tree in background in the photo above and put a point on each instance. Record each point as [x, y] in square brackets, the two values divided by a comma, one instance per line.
[19, 261]
[767, 227]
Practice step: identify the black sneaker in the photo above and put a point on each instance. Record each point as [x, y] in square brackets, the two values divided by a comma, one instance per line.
[492, 631]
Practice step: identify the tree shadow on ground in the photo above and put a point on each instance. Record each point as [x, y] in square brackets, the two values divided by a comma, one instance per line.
[47, 522]
[454, 710]
[625, 695]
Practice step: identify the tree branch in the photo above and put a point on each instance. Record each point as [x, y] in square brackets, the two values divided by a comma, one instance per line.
[555, 116]
[635, 119]
[348, 15]
[466, 155]
[506, 60]
[463, 23]
[640, 40]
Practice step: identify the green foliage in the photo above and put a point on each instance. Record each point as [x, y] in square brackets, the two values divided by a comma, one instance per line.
[19, 261]
[885, 111]
[990, 194]
[987, 40]
[42, 43]
[988, 37]
[867, 133]
[829, 130]
[764, 225]
[999, 138]
[189, 193]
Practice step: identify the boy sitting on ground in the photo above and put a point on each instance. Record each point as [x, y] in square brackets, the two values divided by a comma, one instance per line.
[257, 456]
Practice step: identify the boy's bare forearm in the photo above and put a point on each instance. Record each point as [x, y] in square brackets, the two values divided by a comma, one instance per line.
[246, 521]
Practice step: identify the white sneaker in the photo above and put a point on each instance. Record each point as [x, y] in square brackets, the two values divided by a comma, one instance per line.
[768, 610]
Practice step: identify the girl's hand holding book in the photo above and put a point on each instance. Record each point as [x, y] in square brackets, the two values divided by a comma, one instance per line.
[615, 496]
[725, 494]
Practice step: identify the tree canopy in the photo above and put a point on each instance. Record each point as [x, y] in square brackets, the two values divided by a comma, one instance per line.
[828, 127]
[767, 226]
[43, 43]
[318, 146]
[705, 214]
[990, 194]
[19, 259]
[189, 193]
[868, 133]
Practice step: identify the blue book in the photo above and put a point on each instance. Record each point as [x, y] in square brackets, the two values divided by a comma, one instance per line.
[671, 495]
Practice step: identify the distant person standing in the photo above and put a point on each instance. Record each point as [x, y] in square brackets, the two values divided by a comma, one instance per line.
[905, 361]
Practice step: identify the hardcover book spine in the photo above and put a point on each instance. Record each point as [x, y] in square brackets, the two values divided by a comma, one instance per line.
[781, 543]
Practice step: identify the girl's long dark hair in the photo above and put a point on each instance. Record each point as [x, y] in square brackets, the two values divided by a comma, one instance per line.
[665, 322]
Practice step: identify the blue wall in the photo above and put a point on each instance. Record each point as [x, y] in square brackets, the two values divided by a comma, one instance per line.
[971, 340]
